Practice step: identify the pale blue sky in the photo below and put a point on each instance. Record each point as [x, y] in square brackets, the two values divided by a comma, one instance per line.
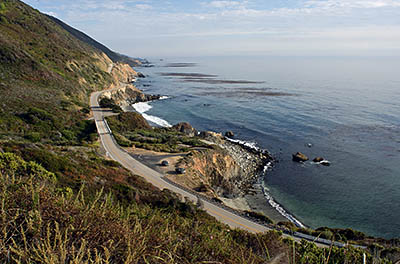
[253, 27]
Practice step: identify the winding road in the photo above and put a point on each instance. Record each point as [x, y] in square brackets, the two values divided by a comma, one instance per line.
[114, 152]
[220, 212]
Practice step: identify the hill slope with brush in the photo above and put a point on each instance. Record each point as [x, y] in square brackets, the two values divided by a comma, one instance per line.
[61, 201]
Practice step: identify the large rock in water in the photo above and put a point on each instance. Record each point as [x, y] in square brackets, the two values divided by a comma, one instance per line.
[185, 128]
[318, 159]
[299, 157]
[322, 161]
[229, 134]
[140, 75]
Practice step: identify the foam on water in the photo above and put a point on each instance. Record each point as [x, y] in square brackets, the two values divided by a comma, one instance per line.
[346, 109]
[156, 120]
[143, 107]
[270, 199]
[279, 208]
[248, 144]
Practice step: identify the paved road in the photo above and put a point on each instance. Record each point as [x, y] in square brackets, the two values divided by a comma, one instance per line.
[223, 215]
[155, 178]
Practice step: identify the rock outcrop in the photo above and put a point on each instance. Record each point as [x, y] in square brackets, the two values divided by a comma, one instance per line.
[122, 91]
[140, 75]
[299, 157]
[322, 161]
[318, 159]
[185, 128]
[227, 170]
[229, 134]
[210, 135]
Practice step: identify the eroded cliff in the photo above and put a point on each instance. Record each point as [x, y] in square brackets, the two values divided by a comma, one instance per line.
[227, 170]
[122, 90]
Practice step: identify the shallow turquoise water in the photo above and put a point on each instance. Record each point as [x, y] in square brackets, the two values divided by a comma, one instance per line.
[347, 108]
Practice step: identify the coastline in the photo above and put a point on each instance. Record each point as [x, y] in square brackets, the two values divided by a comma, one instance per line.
[240, 187]
[256, 198]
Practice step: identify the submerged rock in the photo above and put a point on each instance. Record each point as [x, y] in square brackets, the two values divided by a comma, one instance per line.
[299, 157]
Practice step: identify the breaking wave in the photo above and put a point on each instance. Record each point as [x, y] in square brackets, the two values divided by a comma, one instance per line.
[143, 107]
[279, 208]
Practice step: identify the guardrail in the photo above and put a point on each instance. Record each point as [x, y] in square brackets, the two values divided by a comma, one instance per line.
[107, 126]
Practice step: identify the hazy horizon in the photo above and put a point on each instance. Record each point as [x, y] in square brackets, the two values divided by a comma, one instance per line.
[208, 28]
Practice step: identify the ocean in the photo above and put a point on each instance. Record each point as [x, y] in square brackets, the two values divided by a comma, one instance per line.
[344, 109]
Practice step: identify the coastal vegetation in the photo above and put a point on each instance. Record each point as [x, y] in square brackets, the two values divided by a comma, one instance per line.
[62, 201]
[131, 129]
[117, 222]
[109, 103]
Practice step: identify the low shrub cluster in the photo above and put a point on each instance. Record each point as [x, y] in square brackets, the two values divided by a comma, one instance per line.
[131, 129]
[41, 223]
[109, 103]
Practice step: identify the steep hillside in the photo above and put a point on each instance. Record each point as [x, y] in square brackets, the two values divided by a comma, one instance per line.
[46, 76]
[62, 201]
[116, 57]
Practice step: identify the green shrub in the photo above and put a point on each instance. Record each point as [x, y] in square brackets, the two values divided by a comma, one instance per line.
[3, 19]
[2, 7]
[33, 136]
[121, 140]
[109, 103]
[48, 160]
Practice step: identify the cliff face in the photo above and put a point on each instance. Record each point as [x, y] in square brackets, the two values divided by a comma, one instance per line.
[228, 170]
[122, 90]
[122, 73]
[214, 171]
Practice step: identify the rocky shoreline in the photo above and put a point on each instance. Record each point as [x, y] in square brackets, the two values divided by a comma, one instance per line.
[231, 173]
[252, 161]
[255, 163]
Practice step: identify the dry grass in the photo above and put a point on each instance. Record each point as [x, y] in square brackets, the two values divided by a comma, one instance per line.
[40, 225]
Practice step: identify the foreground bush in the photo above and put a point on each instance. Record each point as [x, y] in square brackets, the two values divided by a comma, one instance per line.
[40, 223]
